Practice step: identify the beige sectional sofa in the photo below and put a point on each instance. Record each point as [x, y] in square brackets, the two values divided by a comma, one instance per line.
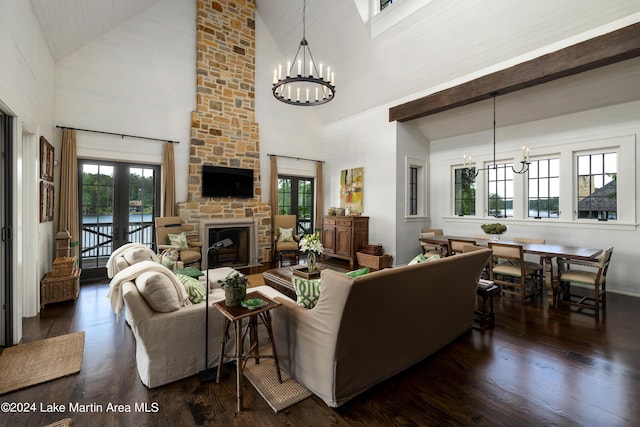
[170, 345]
[365, 330]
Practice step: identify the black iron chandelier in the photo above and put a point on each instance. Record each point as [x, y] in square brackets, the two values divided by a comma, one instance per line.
[524, 163]
[309, 86]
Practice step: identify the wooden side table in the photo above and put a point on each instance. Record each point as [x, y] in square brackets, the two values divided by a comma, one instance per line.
[235, 315]
[484, 317]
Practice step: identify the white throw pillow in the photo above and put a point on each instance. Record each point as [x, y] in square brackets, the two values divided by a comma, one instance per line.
[158, 291]
[136, 255]
[285, 235]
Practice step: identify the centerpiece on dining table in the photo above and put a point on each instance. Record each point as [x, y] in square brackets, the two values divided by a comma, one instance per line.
[311, 244]
[494, 229]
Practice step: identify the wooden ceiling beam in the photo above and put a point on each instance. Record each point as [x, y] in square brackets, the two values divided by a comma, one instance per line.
[597, 52]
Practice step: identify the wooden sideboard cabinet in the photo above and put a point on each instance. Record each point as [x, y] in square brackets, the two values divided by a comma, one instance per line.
[343, 236]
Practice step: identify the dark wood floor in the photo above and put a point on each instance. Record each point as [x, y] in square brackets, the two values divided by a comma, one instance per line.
[539, 366]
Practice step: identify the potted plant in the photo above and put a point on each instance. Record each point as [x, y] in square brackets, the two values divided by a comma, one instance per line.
[494, 229]
[235, 288]
[311, 243]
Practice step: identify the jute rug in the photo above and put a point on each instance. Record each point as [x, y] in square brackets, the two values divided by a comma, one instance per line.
[279, 396]
[25, 365]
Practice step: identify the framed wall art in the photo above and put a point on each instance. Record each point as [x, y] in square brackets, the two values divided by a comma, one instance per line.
[47, 194]
[47, 157]
[351, 189]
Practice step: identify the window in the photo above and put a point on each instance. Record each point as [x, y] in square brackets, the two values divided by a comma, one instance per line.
[544, 189]
[415, 172]
[500, 196]
[597, 186]
[295, 197]
[465, 191]
[385, 3]
[413, 190]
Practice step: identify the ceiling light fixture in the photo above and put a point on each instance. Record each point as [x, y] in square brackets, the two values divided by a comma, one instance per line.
[524, 163]
[309, 86]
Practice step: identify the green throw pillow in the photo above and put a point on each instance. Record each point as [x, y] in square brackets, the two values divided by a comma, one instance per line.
[307, 291]
[195, 288]
[179, 240]
[421, 258]
[417, 259]
[285, 235]
[360, 272]
[190, 271]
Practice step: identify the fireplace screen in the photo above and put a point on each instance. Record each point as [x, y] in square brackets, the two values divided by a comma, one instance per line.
[236, 255]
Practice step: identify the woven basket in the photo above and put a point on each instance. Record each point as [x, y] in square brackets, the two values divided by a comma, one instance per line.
[56, 289]
[63, 266]
[373, 261]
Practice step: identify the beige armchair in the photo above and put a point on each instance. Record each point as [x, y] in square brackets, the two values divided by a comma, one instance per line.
[186, 244]
[285, 239]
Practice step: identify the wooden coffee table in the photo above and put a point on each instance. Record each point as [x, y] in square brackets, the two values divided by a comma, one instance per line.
[281, 279]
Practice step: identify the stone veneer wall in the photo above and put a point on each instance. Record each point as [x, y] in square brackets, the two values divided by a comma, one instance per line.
[223, 130]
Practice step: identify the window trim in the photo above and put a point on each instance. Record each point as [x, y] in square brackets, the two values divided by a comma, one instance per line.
[421, 166]
[624, 144]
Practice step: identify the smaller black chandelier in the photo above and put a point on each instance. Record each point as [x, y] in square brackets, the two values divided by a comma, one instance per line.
[309, 86]
[524, 163]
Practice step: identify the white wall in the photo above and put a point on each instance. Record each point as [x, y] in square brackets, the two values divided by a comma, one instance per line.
[412, 145]
[138, 79]
[285, 130]
[560, 135]
[26, 92]
[366, 140]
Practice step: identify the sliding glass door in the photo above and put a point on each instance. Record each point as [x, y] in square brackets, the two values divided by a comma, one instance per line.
[118, 204]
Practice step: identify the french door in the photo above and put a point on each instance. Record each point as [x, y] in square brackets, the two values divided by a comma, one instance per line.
[118, 204]
[295, 197]
[6, 237]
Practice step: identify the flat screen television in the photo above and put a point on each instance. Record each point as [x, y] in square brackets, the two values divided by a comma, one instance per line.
[220, 181]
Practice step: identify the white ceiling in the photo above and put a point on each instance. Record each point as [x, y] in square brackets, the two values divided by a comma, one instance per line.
[446, 41]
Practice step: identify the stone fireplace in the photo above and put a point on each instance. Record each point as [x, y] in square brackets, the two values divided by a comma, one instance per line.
[243, 251]
[223, 127]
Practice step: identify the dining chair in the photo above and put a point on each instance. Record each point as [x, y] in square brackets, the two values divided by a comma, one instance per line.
[481, 237]
[589, 274]
[471, 248]
[456, 246]
[539, 265]
[430, 249]
[508, 269]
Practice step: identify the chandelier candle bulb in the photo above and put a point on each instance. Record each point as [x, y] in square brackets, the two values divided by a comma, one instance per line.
[306, 79]
[527, 156]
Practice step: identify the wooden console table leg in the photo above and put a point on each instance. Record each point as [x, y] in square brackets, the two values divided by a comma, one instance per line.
[266, 319]
[239, 351]
[223, 340]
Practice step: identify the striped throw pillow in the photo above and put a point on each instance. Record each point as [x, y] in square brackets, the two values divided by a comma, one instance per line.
[195, 288]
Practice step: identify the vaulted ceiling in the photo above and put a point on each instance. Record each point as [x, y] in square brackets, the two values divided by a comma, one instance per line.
[442, 43]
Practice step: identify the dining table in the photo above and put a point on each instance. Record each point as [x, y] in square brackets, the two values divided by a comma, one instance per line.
[546, 251]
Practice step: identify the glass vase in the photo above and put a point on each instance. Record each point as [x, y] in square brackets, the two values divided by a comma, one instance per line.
[311, 262]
